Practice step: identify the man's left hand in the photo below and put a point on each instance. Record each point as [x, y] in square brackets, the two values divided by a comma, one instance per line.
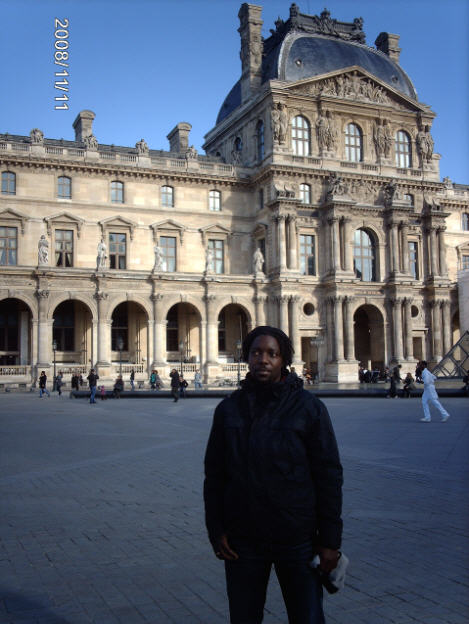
[328, 559]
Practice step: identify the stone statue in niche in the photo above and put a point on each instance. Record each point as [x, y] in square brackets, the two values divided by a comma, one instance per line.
[142, 147]
[43, 251]
[209, 260]
[101, 256]
[258, 261]
[158, 266]
[335, 186]
[389, 190]
[36, 136]
[379, 138]
[425, 145]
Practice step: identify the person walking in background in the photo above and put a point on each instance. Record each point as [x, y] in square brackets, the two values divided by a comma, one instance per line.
[272, 489]
[418, 372]
[174, 375]
[102, 391]
[118, 387]
[153, 380]
[395, 379]
[197, 380]
[75, 381]
[132, 380]
[59, 383]
[43, 385]
[92, 379]
[430, 395]
[182, 387]
[408, 385]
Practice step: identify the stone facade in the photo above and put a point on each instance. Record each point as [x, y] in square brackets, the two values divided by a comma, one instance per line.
[333, 177]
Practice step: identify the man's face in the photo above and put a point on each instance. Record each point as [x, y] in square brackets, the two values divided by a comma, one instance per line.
[265, 362]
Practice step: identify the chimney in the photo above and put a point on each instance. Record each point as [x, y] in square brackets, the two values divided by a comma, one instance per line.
[251, 49]
[389, 44]
[83, 125]
[179, 137]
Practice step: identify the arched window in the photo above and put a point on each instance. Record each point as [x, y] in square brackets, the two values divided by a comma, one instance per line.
[117, 192]
[403, 150]
[238, 144]
[8, 183]
[300, 136]
[260, 140]
[364, 256]
[64, 187]
[167, 196]
[214, 200]
[305, 193]
[353, 143]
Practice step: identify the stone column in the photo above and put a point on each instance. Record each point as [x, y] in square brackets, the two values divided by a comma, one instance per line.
[44, 339]
[405, 248]
[408, 328]
[293, 249]
[94, 344]
[283, 312]
[349, 330]
[397, 328]
[433, 252]
[202, 343]
[442, 252]
[335, 243]
[447, 339]
[104, 329]
[159, 331]
[348, 264]
[329, 324]
[259, 303]
[338, 328]
[394, 248]
[294, 331]
[436, 318]
[280, 219]
[212, 330]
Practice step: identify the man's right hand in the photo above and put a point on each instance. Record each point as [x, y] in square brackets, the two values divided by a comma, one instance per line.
[222, 549]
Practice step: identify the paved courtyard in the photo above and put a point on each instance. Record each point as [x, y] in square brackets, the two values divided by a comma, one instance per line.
[102, 517]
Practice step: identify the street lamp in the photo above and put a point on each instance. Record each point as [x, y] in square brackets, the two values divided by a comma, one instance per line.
[238, 353]
[181, 352]
[120, 346]
[54, 349]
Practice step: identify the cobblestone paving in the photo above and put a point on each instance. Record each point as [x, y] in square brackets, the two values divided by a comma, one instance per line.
[102, 515]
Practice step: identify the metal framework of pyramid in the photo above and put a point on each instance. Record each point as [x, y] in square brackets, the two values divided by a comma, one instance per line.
[455, 363]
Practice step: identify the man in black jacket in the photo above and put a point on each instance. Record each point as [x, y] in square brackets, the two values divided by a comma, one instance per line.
[272, 486]
[175, 383]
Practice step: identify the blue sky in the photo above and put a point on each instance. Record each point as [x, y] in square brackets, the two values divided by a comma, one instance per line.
[144, 65]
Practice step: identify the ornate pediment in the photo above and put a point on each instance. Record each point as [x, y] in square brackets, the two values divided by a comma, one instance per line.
[216, 229]
[168, 225]
[355, 83]
[118, 222]
[64, 219]
[13, 218]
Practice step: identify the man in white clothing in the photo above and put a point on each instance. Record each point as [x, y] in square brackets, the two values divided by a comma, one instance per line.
[430, 395]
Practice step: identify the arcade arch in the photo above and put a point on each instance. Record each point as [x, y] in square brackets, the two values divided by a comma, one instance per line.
[15, 333]
[369, 337]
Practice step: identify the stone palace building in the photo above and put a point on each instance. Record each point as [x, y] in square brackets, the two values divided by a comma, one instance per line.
[318, 208]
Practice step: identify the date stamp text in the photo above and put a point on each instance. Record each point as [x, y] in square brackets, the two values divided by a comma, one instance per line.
[61, 58]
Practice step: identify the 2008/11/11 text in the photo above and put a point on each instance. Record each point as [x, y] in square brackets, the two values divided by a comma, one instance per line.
[61, 58]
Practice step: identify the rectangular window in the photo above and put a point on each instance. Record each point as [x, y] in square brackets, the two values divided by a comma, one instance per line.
[117, 251]
[64, 248]
[8, 245]
[307, 254]
[414, 259]
[261, 199]
[465, 221]
[218, 248]
[168, 245]
[465, 263]
[214, 201]
[64, 188]
[117, 192]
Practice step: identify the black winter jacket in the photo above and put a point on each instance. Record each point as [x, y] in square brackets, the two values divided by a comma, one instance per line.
[272, 468]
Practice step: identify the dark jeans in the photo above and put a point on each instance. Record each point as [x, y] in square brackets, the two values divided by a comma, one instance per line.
[248, 576]
[175, 393]
[92, 394]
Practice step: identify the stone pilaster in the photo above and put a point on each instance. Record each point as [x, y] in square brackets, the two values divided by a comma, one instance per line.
[280, 220]
[408, 328]
[283, 312]
[433, 252]
[159, 331]
[259, 303]
[44, 330]
[335, 243]
[397, 328]
[338, 328]
[294, 330]
[349, 330]
[293, 247]
[104, 334]
[447, 339]
[442, 252]
[212, 330]
[405, 248]
[436, 322]
[347, 225]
